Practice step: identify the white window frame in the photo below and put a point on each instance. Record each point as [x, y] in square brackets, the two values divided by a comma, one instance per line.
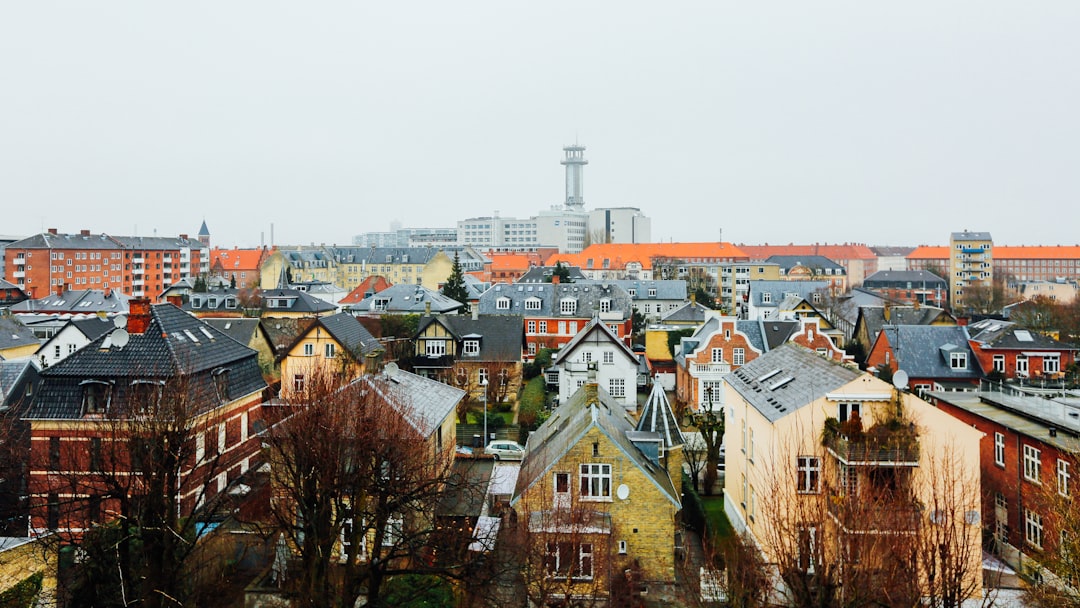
[1032, 463]
[605, 305]
[594, 481]
[502, 303]
[330, 350]
[609, 357]
[738, 356]
[1063, 477]
[617, 387]
[808, 480]
[1051, 364]
[470, 348]
[999, 363]
[958, 361]
[309, 350]
[1022, 364]
[568, 306]
[716, 355]
[532, 304]
[1033, 529]
[999, 449]
[766, 297]
[845, 410]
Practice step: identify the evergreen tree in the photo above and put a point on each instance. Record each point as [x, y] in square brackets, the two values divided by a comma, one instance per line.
[454, 288]
[232, 282]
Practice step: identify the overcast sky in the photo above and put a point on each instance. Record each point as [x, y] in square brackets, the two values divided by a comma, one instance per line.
[885, 123]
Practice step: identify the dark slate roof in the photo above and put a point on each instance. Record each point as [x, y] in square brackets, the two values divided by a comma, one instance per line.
[157, 242]
[383, 255]
[542, 274]
[300, 301]
[922, 279]
[428, 402]
[218, 299]
[923, 351]
[203, 230]
[587, 294]
[501, 336]
[970, 236]
[174, 343]
[665, 290]
[777, 289]
[658, 417]
[874, 317]
[353, 336]
[14, 334]
[404, 299]
[240, 330]
[93, 327]
[79, 301]
[11, 372]
[887, 250]
[762, 335]
[548, 444]
[774, 333]
[691, 312]
[788, 378]
[284, 331]
[818, 263]
[1005, 334]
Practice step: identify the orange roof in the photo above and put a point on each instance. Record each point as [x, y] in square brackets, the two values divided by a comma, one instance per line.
[237, 259]
[513, 260]
[373, 284]
[1049, 252]
[928, 252]
[618, 255]
[847, 251]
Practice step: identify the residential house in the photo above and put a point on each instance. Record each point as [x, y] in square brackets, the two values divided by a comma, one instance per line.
[554, 313]
[76, 334]
[799, 308]
[764, 298]
[544, 274]
[843, 311]
[654, 299]
[512, 266]
[405, 299]
[1031, 441]
[935, 357]
[10, 294]
[598, 495]
[367, 288]
[971, 264]
[84, 302]
[252, 334]
[164, 352]
[891, 258]
[909, 287]
[19, 380]
[596, 354]
[298, 264]
[240, 267]
[323, 290]
[856, 258]
[478, 354]
[871, 319]
[817, 501]
[335, 345]
[649, 261]
[708, 356]
[1062, 292]
[811, 268]
[424, 266]
[1007, 350]
[16, 340]
[279, 303]
[1019, 263]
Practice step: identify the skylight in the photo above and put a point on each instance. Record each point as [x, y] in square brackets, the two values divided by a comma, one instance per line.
[768, 375]
[781, 382]
[191, 336]
[1023, 335]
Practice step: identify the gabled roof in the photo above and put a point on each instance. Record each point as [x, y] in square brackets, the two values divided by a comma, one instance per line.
[643, 290]
[174, 344]
[543, 274]
[788, 378]
[368, 287]
[833, 252]
[407, 299]
[590, 407]
[929, 252]
[11, 373]
[14, 334]
[239, 329]
[79, 301]
[690, 312]
[383, 255]
[923, 351]
[815, 262]
[992, 333]
[425, 403]
[874, 317]
[284, 331]
[299, 301]
[595, 332]
[347, 331]
[91, 328]
[778, 289]
[587, 294]
[658, 417]
[773, 333]
[238, 259]
[500, 336]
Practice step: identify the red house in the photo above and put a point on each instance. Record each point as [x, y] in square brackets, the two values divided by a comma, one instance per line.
[1014, 352]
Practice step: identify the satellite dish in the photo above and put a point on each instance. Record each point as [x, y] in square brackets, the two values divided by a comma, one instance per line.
[900, 379]
[120, 321]
[390, 368]
[119, 337]
[623, 491]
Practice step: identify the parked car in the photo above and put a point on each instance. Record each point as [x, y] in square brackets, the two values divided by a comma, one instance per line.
[505, 450]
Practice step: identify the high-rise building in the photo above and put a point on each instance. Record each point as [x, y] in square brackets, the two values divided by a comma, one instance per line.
[971, 264]
[619, 225]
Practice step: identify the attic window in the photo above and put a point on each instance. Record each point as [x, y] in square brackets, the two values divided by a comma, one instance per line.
[781, 383]
[144, 395]
[768, 375]
[568, 306]
[532, 304]
[221, 383]
[502, 303]
[471, 348]
[605, 304]
[96, 395]
[766, 298]
[958, 360]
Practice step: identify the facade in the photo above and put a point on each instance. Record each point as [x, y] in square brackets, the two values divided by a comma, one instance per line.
[133, 265]
[892, 258]
[408, 237]
[971, 264]
[480, 355]
[765, 299]
[935, 357]
[252, 334]
[909, 287]
[336, 345]
[1006, 350]
[239, 265]
[553, 313]
[17, 341]
[811, 268]
[654, 299]
[1063, 292]
[825, 502]
[597, 495]
[871, 319]
[76, 334]
[649, 261]
[1016, 263]
[619, 225]
[596, 354]
[856, 258]
[79, 450]
[347, 267]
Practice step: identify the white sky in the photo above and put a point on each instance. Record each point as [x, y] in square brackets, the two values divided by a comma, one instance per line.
[884, 123]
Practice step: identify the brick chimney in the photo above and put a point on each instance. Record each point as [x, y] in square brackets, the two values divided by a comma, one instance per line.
[84, 233]
[52, 230]
[138, 315]
[175, 300]
[555, 279]
[59, 290]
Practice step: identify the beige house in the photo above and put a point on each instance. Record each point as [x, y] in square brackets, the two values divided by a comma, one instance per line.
[845, 484]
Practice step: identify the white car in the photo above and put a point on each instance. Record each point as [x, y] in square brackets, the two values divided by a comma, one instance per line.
[505, 450]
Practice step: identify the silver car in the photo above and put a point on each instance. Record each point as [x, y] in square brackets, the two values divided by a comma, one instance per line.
[503, 449]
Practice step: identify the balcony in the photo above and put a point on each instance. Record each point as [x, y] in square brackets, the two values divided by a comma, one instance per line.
[710, 368]
[889, 450]
[19, 274]
[137, 270]
[863, 515]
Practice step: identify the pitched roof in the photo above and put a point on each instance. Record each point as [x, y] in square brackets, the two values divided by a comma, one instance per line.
[427, 402]
[644, 290]
[500, 336]
[590, 407]
[237, 259]
[874, 317]
[203, 230]
[370, 286]
[543, 274]
[383, 255]
[658, 417]
[588, 295]
[595, 332]
[970, 236]
[14, 334]
[924, 351]
[816, 262]
[1007, 335]
[778, 290]
[240, 329]
[917, 278]
[849, 251]
[11, 372]
[788, 378]
[79, 301]
[352, 336]
[174, 344]
[406, 299]
[690, 312]
[617, 255]
[284, 331]
[298, 301]
[929, 252]
[93, 327]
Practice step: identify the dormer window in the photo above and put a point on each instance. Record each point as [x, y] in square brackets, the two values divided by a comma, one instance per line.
[502, 303]
[530, 304]
[471, 348]
[144, 395]
[568, 306]
[652, 292]
[632, 292]
[435, 348]
[96, 395]
[766, 298]
[605, 304]
[221, 383]
[958, 360]
[381, 303]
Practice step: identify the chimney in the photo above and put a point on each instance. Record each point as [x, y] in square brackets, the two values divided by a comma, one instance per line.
[183, 237]
[427, 308]
[591, 395]
[84, 233]
[176, 300]
[138, 315]
[52, 230]
[476, 312]
[59, 290]
[555, 280]
[108, 293]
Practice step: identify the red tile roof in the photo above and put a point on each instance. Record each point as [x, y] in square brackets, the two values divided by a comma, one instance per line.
[375, 283]
[237, 259]
[619, 254]
[927, 252]
[847, 251]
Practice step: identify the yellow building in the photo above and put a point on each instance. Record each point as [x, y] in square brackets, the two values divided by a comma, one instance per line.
[838, 478]
[337, 345]
[971, 265]
[22, 560]
[347, 267]
[16, 340]
[597, 494]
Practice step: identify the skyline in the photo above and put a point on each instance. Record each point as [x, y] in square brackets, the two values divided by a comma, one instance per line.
[836, 122]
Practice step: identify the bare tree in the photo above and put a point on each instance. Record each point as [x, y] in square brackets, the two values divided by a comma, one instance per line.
[1060, 585]
[709, 420]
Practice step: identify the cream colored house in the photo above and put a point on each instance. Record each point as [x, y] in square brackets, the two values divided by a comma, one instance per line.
[846, 484]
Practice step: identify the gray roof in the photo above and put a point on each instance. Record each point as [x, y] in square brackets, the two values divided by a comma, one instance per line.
[350, 333]
[240, 330]
[157, 242]
[874, 317]
[923, 351]
[284, 331]
[1005, 334]
[542, 274]
[79, 301]
[383, 255]
[548, 444]
[817, 263]
[14, 334]
[404, 299]
[923, 279]
[299, 301]
[588, 295]
[501, 336]
[665, 290]
[774, 333]
[887, 250]
[691, 312]
[658, 417]
[174, 344]
[970, 236]
[11, 373]
[763, 335]
[46, 240]
[777, 289]
[93, 327]
[595, 332]
[1028, 415]
[429, 402]
[788, 378]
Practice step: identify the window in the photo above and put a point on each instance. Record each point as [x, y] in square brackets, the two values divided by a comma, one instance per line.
[717, 355]
[95, 453]
[609, 357]
[809, 475]
[309, 350]
[617, 387]
[562, 490]
[56, 351]
[482, 375]
[200, 447]
[394, 531]
[95, 396]
[530, 326]
[569, 560]
[471, 348]
[808, 549]
[502, 303]
[999, 449]
[605, 305]
[1051, 364]
[568, 306]
[1063, 477]
[1031, 463]
[848, 410]
[532, 348]
[54, 453]
[435, 348]
[710, 391]
[596, 481]
[532, 304]
[999, 363]
[766, 298]
[652, 292]
[1021, 365]
[849, 480]
[750, 449]
[541, 327]
[958, 360]
[298, 383]
[1033, 528]
[738, 356]
[222, 438]
[221, 383]
[329, 351]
